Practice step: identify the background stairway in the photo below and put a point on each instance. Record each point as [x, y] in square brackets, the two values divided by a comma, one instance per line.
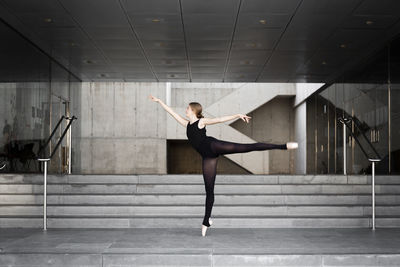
[242, 99]
[244, 201]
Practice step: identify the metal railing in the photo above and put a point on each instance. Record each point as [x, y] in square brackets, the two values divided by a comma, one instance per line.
[374, 159]
[45, 159]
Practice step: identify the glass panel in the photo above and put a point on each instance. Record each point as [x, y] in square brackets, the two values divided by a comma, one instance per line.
[32, 86]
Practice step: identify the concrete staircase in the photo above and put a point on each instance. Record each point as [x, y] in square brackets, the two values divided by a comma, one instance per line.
[244, 100]
[158, 201]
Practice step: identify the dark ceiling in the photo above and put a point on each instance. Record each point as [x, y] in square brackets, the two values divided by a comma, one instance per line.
[205, 40]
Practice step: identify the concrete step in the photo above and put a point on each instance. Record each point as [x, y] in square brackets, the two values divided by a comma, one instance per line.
[106, 189]
[194, 210]
[195, 222]
[197, 179]
[230, 200]
[199, 258]
[197, 199]
[130, 200]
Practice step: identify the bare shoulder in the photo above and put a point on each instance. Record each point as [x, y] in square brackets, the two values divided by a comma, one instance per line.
[201, 124]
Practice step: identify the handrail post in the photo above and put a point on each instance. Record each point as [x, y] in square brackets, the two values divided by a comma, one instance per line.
[70, 145]
[373, 161]
[44, 192]
[46, 160]
[373, 195]
[344, 150]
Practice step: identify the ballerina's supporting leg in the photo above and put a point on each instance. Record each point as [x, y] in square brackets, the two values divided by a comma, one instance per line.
[209, 166]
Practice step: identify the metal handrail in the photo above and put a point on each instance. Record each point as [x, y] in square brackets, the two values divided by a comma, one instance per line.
[345, 121]
[45, 160]
[51, 135]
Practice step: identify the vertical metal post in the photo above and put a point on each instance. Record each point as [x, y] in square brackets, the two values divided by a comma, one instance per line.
[44, 193]
[45, 197]
[69, 149]
[373, 195]
[389, 114]
[344, 150]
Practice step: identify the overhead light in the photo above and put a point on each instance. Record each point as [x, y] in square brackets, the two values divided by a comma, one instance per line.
[262, 21]
[155, 20]
[343, 46]
[369, 22]
[251, 45]
[323, 63]
[245, 62]
[87, 61]
[48, 20]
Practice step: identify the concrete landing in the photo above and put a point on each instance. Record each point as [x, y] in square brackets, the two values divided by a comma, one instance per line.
[186, 247]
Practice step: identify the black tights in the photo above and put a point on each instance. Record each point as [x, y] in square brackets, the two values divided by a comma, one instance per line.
[209, 165]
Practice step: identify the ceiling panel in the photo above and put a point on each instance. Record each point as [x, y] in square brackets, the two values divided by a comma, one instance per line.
[370, 21]
[263, 20]
[117, 44]
[254, 44]
[382, 7]
[262, 34]
[222, 7]
[166, 53]
[207, 69]
[27, 6]
[345, 38]
[207, 62]
[170, 69]
[208, 44]
[205, 76]
[209, 32]
[203, 54]
[152, 6]
[95, 13]
[269, 6]
[327, 7]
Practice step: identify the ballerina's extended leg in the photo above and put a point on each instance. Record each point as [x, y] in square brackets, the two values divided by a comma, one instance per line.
[226, 147]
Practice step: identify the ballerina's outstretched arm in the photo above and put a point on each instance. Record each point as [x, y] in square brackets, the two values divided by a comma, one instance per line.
[177, 117]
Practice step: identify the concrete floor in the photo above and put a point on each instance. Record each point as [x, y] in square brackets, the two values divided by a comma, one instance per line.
[17, 243]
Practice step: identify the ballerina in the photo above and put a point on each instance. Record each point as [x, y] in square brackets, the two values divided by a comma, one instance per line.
[210, 147]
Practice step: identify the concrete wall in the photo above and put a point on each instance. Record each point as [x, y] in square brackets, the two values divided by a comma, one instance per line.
[121, 130]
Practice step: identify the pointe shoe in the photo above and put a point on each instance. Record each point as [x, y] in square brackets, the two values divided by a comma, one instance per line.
[292, 145]
[203, 230]
[204, 227]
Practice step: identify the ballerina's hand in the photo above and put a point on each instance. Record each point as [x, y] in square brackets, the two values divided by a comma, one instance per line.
[155, 99]
[244, 117]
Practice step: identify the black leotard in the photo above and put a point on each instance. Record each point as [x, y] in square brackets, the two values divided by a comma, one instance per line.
[199, 140]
